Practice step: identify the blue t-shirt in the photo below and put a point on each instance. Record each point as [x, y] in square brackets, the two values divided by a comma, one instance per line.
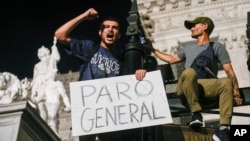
[96, 61]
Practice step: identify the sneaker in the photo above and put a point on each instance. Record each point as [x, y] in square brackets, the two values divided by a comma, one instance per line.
[221, 135]
[196, 120]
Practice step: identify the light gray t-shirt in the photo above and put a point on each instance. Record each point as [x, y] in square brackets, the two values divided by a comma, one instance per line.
[190, 51]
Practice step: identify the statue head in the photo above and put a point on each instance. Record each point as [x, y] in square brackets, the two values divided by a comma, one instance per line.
[43, 53]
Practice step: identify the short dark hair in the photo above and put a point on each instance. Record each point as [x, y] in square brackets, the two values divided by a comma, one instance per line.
[110, 19]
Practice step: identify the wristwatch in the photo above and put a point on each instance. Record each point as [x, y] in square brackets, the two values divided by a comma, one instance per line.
[237, 96]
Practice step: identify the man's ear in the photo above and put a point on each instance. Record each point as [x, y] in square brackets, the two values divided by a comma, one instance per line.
[205, 26]
[100, 33]
[119, 36]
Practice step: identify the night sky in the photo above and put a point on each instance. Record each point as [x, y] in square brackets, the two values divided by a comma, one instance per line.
[26, 26]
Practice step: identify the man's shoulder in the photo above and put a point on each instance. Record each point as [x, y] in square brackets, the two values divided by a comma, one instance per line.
[219, 47]
[83, 41]
[217, 44]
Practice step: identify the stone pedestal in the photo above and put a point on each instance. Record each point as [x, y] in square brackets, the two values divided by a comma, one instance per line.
[19, 122]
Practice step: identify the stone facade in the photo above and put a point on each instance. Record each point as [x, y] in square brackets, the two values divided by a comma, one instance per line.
[19, 121]
[64, 117]
[163, 23]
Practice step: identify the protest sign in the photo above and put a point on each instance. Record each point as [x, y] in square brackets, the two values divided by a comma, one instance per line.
[118, 103]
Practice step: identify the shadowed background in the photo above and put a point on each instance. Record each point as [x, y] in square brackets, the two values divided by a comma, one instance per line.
[26, 26]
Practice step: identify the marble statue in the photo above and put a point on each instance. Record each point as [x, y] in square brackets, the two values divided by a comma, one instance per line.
[10, 88]
[44, 70]
[46, 91]
[54, 92]
[25, 87]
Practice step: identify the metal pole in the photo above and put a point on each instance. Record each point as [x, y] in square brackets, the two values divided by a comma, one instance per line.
[133, 53]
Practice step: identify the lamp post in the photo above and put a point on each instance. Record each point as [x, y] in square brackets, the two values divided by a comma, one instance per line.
[134, 58]
[133, 53]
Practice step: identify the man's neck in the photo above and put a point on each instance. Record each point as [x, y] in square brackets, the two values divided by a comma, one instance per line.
[108, 47]
[201, 40]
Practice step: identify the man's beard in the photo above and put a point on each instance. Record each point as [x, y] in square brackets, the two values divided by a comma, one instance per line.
[195, 36]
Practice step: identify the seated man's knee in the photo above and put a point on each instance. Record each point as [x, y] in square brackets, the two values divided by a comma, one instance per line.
[189, 72]
[226, 83]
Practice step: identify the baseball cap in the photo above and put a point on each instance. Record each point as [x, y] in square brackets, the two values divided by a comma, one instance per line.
[204, 20]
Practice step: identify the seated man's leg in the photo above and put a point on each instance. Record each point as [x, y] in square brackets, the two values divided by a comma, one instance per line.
[226, 101]
[222, 90]
[187, 86]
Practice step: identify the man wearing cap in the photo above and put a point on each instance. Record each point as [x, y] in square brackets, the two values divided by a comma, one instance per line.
[200, 92]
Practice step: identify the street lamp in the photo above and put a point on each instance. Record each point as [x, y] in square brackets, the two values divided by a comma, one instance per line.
[133, 53]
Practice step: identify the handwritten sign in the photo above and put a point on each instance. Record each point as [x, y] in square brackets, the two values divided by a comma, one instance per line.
[118, 103]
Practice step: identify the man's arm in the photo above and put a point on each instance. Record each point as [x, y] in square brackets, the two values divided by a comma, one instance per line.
[171, 59]
[62, 33]
[231, 74]
[140, 74]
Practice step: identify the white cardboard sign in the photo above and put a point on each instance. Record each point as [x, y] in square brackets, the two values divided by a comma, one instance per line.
[118, 103]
